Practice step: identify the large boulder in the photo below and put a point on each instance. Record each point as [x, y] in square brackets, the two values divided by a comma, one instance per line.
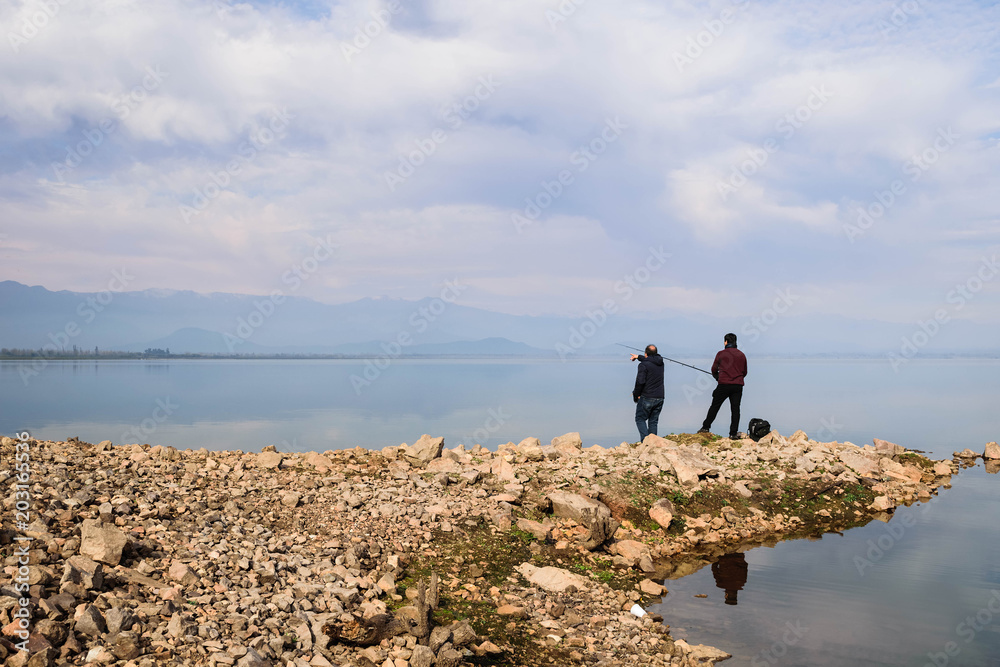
[270, 460]
[568, 444]
[887, 448]
[424, 450]
[552, 579]
[577, 507]
[687, 463]
[992, 451]
[860, 463]
[531, 448]
[102, 542]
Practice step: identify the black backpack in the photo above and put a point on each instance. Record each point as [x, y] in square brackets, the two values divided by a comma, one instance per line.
[758, 428]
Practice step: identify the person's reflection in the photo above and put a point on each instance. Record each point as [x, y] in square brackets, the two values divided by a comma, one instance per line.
[730, 574]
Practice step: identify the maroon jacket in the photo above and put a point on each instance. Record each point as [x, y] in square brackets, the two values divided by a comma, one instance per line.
[730, 366]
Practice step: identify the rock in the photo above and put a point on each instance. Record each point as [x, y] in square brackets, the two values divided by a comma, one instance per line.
[653, 440]
[422, 656]
[700, 652]
[650, 587]
[882, 503]
[449, 657]
[270, 460]
[462, 633]
[503, 470]
[319, 461]
[966, 454]
[887, 448]
[387, 584]
[540, 531]
[89, 621]
[687, 476]
[101, 542]
[83, 571]
[291, 499]
[568, 444]
[662, 512]
[490, 649]
[424, 450]
[126, 646]
[552, 579]
[531, 449]
[992, 451]
[942, 469]
[576, 507]
[252, 659]
[181, 572]
[446, 465]
[631, 550]
[860, 463]
[100, 655]
[440, 636]
[741, 489]
[511, 610]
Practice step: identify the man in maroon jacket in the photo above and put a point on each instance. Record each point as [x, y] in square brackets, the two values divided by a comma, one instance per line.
[729, 368]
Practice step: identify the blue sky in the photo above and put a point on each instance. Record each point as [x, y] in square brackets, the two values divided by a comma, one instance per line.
[222, 138]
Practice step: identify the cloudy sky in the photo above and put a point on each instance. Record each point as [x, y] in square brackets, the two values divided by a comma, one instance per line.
[535, 150]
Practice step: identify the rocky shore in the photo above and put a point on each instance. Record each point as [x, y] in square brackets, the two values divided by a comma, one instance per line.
[411, 556]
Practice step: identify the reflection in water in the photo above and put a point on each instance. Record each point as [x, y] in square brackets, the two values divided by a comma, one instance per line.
[730, 573]
[993, 467]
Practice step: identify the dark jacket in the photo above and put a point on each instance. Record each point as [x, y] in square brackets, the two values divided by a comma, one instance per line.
[730, 366]
[649, 378]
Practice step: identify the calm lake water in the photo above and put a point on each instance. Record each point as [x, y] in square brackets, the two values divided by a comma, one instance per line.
[802, 603]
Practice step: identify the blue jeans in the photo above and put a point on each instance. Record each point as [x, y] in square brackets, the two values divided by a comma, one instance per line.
[647, 415]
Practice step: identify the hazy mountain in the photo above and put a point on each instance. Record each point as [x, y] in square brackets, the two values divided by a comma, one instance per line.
[186, 321]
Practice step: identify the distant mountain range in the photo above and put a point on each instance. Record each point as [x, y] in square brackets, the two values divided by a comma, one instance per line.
[219, 323]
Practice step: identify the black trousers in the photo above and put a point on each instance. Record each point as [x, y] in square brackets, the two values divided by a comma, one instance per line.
[734, 392]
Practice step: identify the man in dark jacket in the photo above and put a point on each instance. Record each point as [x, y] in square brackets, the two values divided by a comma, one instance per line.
[729, 368]
[648, 391]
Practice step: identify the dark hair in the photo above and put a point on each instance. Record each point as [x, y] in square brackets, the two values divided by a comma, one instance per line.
[650, 349]
[730, 339]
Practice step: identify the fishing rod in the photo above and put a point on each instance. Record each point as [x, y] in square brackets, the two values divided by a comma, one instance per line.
[667, 358]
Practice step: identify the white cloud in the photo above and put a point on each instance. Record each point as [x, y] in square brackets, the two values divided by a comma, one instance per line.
[228, 72]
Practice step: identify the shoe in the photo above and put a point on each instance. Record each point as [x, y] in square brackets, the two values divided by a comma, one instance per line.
[703, 430]
[739, 436]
